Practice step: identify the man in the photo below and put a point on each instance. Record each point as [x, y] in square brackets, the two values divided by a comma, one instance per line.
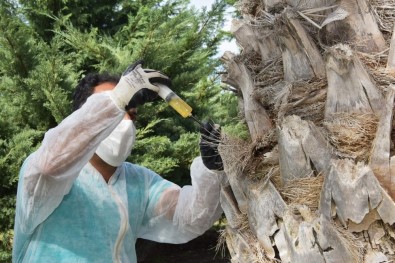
[78, 201]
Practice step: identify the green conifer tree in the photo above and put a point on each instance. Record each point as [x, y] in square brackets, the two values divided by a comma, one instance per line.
[47, 46]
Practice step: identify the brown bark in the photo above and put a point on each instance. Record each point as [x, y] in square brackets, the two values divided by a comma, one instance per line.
[264, 206]
[255, 39]
[345, 181]
[313, 240]
[230, 206]
[380, 156]
[391, 55]
[359, 28]
[239, 77]
[350, 88]
[301, 58]
[302, 149]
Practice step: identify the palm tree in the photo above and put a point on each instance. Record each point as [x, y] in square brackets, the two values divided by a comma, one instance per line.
[316, 182]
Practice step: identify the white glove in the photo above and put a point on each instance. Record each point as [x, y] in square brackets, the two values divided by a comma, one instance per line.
[136, 86]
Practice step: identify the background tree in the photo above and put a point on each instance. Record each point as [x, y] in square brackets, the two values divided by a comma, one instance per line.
[47, 46]
[316, 180]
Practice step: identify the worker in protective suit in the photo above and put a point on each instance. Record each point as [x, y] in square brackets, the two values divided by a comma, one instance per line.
[79, 201]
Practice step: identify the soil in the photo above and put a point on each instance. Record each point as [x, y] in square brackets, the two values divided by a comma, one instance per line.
[199, 250]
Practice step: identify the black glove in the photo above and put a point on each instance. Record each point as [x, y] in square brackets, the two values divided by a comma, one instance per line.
[209, 141]
[148, 93]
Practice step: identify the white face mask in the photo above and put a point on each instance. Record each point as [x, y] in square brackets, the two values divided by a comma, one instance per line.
[117, 146]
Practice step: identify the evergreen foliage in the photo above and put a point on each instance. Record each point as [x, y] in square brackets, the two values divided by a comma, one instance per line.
[46, 46]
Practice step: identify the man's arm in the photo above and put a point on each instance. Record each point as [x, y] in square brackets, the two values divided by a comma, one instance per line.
[48, 173]
[69, 146]
[198, 205]
[179, 215]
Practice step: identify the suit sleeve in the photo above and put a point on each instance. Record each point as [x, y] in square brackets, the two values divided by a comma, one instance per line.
[178, 215]
[48, 174]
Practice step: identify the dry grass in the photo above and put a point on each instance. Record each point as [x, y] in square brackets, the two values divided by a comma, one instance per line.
[352, 134]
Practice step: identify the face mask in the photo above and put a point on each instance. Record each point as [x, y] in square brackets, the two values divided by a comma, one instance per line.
[117, 146]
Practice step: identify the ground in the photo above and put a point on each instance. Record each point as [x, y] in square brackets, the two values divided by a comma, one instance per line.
[199, 250]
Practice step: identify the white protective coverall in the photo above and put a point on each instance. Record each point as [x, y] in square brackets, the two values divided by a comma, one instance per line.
[66, 212]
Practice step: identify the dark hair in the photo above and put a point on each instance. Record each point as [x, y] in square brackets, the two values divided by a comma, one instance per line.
[86, 85]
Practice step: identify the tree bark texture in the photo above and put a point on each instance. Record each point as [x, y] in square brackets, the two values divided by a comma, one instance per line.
[316, 182]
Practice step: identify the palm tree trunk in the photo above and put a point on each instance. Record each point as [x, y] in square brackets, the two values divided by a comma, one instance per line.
[316, 182]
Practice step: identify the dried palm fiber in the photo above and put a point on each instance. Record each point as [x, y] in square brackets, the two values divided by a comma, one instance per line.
[384, 12]
[221, 241]
[242, 223]
[260, 172]
[304, 191]
[307, 100]
[258, 255]
[267, 72]
[351, 134]
[235, 152]
[244, 155]
[260, 18]
[223, 235]
[248, 7]
[354, 243]
[376, 66]
[320, 15]
[264, 18]
[264, 65]
[313, 112]
[271, 97]
[239, 154]
[252, 252]
[303, 90]
[303, 98]
[263, 73]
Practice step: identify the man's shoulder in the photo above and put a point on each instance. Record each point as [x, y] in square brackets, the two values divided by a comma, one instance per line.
[137, 171]
[132, 166]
